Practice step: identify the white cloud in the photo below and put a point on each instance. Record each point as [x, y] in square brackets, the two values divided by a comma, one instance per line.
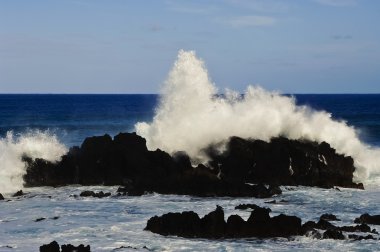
[251, 21]
[336, 2]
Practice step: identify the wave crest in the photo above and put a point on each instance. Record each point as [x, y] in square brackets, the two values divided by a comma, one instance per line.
[191, 115]
[35, 144]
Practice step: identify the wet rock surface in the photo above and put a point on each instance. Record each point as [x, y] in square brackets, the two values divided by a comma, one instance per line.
[368, 219]
[18, 194]
[100, 194]
[214, 226]
[284, 162]
[259, 225]
[241, 170]
[54, 247]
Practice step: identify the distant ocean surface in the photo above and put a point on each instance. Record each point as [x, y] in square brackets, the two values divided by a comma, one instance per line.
[74, 117]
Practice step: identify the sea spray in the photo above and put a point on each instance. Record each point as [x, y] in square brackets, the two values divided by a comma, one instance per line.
[36, 144]
[191, 115]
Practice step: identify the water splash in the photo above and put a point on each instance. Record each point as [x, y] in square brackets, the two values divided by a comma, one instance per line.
[191, 115]
[36, 144]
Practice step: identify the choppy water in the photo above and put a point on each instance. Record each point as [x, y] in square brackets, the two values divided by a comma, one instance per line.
[110, 223]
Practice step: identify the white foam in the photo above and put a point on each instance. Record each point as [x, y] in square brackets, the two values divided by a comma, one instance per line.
[190, 116]
[35, 144]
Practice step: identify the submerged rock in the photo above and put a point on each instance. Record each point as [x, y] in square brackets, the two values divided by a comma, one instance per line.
[100, 194]
[329, 217]
[246, 206]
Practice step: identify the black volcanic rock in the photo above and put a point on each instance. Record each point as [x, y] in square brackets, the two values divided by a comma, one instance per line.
[51, 247]
[213, 225]
[368, 219]
[333, 234]
[1, 197]
[246, 206]
[54, 247]
[100, 194]
[72, 248]
[125, 160]
[285, 162]
[359, 237]
[18, 193]
[329, 217]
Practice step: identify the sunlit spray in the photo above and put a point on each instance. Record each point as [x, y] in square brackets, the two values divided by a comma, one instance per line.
[191, 116]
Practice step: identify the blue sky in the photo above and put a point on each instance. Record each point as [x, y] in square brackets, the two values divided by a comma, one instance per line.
[125, 46]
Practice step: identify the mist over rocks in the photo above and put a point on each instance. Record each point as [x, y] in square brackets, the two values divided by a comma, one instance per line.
[125, 160]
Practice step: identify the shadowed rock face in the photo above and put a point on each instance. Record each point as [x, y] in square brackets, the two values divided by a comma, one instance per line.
[125, 160]
[285, 162]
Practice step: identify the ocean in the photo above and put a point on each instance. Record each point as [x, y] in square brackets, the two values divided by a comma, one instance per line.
[117, 223]
[188, 116]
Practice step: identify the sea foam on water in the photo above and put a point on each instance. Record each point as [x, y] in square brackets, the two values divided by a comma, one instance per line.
[191, 116]
[35, 144]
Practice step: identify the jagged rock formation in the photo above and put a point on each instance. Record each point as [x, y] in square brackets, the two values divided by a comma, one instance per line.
[285, 162]
[125, 160]
[259, 224]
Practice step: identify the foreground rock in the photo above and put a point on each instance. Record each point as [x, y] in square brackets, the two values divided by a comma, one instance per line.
[54, 247]
[213, 225]
[125, 160]
[259, 225]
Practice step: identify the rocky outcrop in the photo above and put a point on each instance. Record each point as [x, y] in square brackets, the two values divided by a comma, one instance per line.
[100, 194]
[285, 162]
[259, 225]
[246, 206]
[1, 197]
[18, 194]
[329, 217]
[51, 247]
[213, 225]
[368, 219]
[54, 247]
[125, 160]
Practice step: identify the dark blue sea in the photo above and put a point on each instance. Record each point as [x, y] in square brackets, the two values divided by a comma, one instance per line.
[74, 117]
